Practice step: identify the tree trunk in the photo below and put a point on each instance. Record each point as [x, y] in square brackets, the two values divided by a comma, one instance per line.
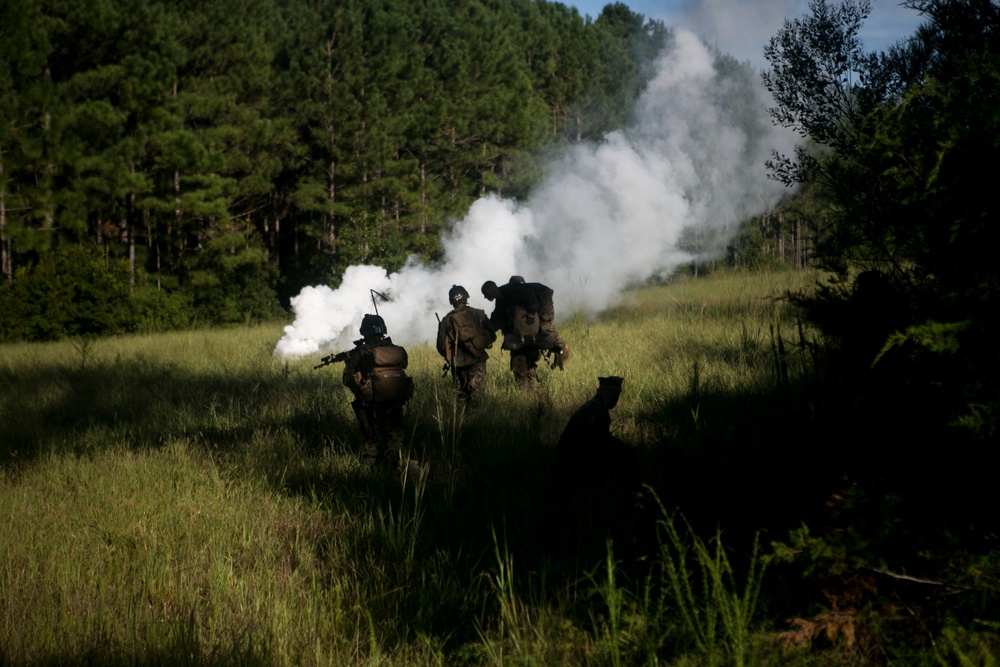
[130, 230]
[5, 258]
[153, 246]
[331, 227]
[781, 237]
[798, 243]
[423, 198]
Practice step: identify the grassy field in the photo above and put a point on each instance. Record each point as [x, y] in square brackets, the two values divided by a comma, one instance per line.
[187, 499]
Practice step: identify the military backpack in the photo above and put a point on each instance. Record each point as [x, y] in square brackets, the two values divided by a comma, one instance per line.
[385, 376]
[470, 333]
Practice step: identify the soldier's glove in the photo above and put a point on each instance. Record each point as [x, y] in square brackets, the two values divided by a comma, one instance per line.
[559, 356]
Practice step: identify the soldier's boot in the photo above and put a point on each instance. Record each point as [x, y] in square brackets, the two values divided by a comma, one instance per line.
[528, 380]
[369, 454]
[393, 462]
[474, 386]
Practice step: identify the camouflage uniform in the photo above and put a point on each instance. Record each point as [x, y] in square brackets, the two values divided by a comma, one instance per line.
[463, 337]
[533, 298]
[524, 365]
[538, 298]
[523, 359]
[380, 418]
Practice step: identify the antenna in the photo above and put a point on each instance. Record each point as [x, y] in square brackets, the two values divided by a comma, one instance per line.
[374, 293]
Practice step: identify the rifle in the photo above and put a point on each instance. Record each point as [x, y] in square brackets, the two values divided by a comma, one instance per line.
[331, 359]
[447, 364]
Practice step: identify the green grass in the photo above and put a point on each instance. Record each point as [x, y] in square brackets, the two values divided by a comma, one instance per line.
[185, 498]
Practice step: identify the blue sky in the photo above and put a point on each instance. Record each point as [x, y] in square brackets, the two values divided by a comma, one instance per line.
[742, 27]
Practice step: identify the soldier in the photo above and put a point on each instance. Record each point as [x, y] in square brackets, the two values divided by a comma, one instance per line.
[595, 478]
[538, 298]
[525, 314]
[588, 455]
[375, 373]
[464, 335]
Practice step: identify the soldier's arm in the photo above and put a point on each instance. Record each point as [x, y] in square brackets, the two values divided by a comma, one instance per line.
[498, 320]
[485, 323]
[350, 369]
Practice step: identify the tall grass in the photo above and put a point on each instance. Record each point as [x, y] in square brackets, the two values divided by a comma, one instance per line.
[186, 498]
[715, 611]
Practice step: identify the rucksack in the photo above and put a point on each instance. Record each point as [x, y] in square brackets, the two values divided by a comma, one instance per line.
[471, 334]
[528, 305]
[524, 322]
[387, 379]
[539, 299]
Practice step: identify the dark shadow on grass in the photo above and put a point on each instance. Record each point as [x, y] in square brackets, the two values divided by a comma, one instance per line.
[178, 647]
[140, 403]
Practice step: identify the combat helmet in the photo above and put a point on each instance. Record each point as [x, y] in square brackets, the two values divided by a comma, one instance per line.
[458, 294]
[372, 325]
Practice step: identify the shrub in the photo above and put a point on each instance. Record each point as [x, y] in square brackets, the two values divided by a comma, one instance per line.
[158, 310]
[70, 292]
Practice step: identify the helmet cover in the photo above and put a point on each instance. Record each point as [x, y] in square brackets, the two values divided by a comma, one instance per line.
[372, 325]
[457, 294]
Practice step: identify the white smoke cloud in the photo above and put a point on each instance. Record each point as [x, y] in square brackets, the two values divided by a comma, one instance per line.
[609, 215]
[742, 27]
[738, 27]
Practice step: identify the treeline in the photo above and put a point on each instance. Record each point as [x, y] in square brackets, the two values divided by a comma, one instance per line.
[904, 398]
[214, 157]
[773, 240]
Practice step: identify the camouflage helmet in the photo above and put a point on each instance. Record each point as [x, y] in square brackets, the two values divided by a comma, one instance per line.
[372, 325]
[458, 294]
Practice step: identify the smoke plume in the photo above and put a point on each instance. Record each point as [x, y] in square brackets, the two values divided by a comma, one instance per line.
[609, 215]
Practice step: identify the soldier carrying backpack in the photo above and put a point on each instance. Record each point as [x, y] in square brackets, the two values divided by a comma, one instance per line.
[375, 372]
[463, 337]
[525, 314]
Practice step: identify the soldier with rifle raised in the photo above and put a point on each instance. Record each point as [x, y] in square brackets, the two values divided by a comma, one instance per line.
[375, 373]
